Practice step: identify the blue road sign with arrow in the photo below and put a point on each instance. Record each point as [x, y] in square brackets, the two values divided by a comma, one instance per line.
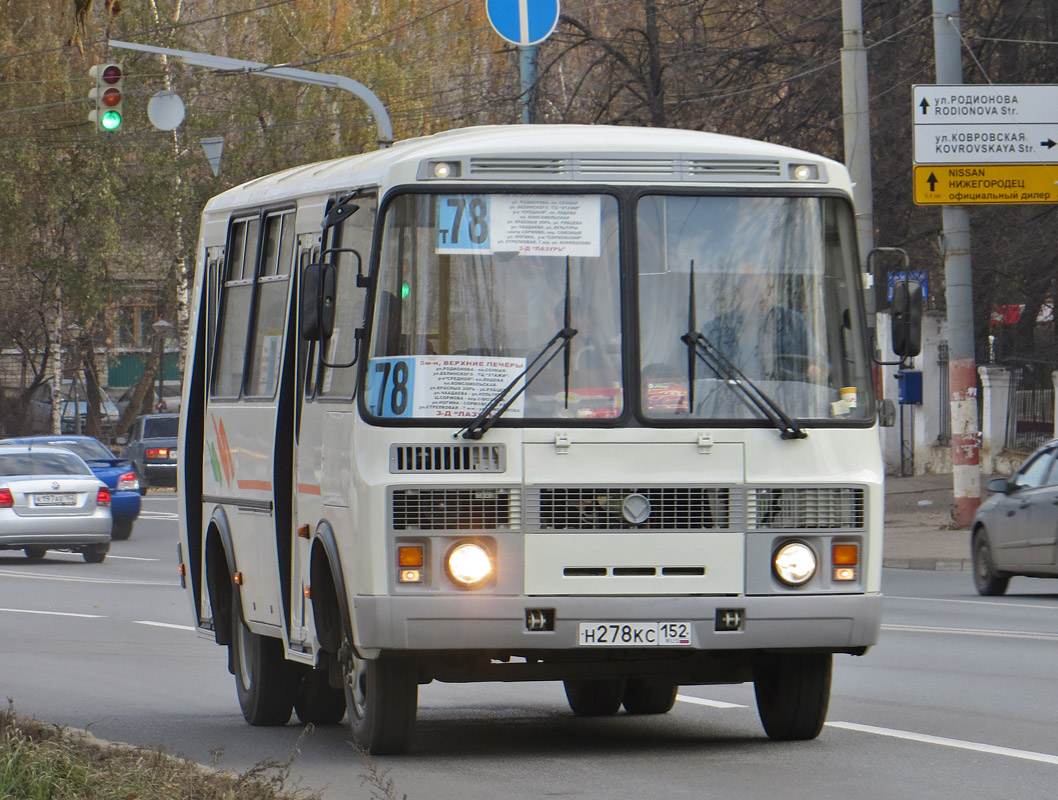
[523, 22]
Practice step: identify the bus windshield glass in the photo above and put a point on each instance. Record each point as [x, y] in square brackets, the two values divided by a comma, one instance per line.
[472, 287]
[750, 291]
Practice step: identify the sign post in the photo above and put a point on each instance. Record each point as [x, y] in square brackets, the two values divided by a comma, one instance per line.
[525, 23]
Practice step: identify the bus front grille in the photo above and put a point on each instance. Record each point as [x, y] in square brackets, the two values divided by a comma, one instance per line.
[798, 508]
[633, 508]
[404, 458]
[452, 509]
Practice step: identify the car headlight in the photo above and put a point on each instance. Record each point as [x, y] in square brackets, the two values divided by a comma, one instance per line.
[795, 563]
[468, 564]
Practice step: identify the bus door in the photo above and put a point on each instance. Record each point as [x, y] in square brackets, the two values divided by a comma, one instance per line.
[326, 378]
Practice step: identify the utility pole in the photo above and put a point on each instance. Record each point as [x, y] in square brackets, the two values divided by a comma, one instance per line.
[955, 248]
[857, 116]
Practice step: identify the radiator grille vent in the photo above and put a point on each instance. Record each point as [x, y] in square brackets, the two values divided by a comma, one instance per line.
[475, 509]
[798, 508]
[730, 166]
[545, 167]
[602, 508]
[627, 167]
[405, 458]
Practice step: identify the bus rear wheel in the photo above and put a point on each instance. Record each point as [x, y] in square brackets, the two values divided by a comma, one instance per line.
[381, 696]
[317, 701]
[595, 697]
[793, 693]
[263, 677]
[649, 696]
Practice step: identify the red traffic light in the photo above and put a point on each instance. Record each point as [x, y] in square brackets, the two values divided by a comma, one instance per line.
[111, 74]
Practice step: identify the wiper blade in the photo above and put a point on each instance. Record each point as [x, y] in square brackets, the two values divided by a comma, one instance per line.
[486, 419]
[726, 370]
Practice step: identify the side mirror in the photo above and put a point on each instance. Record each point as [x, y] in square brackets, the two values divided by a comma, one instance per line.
[316, 306]
[907, 318]
[999, 486]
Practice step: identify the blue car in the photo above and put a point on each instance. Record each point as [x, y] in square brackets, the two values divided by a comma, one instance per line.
[117, 473]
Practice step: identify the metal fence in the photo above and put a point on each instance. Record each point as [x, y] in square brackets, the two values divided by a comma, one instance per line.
[1030, 411]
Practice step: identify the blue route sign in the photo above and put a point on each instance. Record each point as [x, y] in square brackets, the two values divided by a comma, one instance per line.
[523, 22]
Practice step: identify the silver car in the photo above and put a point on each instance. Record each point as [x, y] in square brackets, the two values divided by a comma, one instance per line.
[49, 499]
[1015, 532]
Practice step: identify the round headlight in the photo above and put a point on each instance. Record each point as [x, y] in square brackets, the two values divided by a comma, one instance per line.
[795, 563]
[468, 564]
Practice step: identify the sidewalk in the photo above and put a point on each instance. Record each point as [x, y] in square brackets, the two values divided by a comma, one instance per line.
[919, 533]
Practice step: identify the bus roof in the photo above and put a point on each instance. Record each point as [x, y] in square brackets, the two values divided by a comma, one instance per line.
[556, 153]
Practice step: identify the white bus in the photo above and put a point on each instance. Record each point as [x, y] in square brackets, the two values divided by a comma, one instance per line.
[577, 403]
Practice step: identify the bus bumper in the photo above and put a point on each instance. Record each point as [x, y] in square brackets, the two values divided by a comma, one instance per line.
[838, 623]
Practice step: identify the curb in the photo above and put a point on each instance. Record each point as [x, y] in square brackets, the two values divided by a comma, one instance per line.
[929, 564]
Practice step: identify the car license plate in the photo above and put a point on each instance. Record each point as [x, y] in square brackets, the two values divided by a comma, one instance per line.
[635, 634]
[65, 499]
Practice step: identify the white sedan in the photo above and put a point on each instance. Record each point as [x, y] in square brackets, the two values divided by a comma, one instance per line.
[49, 500]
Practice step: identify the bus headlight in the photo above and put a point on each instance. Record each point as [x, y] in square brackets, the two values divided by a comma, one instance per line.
[468, 564]
[794, 563]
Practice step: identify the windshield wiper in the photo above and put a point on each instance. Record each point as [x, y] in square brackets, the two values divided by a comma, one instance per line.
[486, 419]
[725, 369]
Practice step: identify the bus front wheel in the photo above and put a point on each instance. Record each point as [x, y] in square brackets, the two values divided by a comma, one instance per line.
[381, 696]
[263, 677]
[793, 693]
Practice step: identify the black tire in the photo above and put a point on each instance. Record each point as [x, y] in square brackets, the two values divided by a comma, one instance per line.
[122, 530]
[35, 553]
[649, 696]
[264, 679]
[793, 693]
[317, 701]
[987, 579]
[381, 697]
[595, 697]
[96, 553]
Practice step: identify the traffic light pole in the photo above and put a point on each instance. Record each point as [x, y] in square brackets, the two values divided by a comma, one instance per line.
[385, 128]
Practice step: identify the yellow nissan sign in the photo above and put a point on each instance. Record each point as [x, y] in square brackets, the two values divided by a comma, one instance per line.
[961, 184]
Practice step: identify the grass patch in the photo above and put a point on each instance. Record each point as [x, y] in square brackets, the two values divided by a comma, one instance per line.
[39, 761]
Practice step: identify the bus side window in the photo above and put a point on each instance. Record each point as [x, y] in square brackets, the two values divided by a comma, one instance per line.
[269, 324]
[235, 300]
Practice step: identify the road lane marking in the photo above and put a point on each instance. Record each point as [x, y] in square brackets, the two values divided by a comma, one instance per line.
[981, 602]
[165, 515]
[1035, 635]
[701, 701]
[163, 625]
[69, 579]
[1026, 755]
[113, 557]
[52, 613]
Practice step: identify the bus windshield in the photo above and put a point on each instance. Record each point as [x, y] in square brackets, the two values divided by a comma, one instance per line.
[737, 298]
[470, 290]
[750, 291]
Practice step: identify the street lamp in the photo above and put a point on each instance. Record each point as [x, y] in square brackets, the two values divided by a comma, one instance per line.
[161, 330]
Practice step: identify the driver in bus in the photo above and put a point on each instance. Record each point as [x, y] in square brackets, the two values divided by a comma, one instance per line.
[763, 338]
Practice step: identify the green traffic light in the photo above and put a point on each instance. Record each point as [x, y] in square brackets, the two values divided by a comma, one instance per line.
[110, 121]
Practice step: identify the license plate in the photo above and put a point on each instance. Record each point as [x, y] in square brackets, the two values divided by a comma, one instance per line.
[635, 634]
[54, 499]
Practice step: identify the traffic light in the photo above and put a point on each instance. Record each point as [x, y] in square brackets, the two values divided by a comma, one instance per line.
[108, 91]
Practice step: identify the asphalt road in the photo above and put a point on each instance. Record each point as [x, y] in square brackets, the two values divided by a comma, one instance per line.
[956, 700]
